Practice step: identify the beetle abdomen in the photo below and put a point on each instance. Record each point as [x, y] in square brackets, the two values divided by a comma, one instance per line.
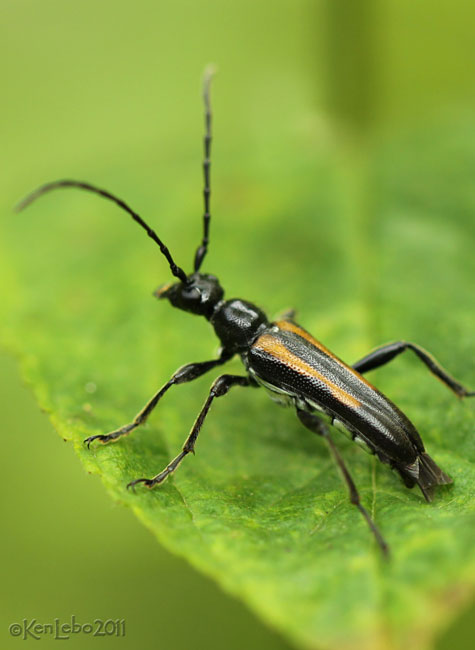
[288, 359]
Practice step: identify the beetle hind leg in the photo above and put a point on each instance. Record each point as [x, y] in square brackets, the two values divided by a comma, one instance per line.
[385, 353]
[316, 425]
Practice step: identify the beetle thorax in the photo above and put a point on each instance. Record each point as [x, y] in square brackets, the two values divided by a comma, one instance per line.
[237, 323]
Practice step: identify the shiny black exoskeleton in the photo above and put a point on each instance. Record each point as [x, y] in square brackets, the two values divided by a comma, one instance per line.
[284, 358]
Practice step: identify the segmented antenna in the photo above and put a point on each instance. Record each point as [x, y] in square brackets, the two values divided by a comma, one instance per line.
[203, 247]
[176, 270]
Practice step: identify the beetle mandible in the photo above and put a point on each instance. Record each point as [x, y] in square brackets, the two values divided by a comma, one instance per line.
[284, 358]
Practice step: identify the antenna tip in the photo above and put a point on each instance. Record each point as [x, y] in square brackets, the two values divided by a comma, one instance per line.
[18, 207]
[210, 70]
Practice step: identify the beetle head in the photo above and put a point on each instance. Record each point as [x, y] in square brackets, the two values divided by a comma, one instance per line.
[199, 294]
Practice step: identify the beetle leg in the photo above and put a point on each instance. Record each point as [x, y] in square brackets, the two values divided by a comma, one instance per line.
[288, 314]
[386, 353]
[220, 387]
[317, 425]
[182, 375]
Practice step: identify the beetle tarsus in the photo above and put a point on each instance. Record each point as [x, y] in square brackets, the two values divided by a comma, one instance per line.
[105, 438]
[132, 484]
[374, 529]
[159, 478]
[88, 441]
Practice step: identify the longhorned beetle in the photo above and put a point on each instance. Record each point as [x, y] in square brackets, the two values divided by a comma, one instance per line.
[294, 367]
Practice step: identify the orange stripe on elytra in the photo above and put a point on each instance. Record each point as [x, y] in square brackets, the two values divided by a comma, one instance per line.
[288, 326]
[268, 343]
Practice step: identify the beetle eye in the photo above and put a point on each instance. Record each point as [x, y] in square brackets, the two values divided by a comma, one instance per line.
[193, 293]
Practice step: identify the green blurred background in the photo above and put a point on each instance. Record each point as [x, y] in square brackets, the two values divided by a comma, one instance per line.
[109, 91]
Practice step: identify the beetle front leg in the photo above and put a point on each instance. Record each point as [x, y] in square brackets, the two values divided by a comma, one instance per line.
[316, 425]
[182, 375]
[220, 387]
[386, 353]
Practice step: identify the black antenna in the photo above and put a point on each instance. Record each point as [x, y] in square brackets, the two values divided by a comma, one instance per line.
[203, 247]
[176, 270]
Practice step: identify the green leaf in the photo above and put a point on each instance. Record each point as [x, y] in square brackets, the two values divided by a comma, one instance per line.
[261, 507]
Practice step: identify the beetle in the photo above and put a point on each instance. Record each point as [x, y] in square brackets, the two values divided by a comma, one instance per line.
[281, 356]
